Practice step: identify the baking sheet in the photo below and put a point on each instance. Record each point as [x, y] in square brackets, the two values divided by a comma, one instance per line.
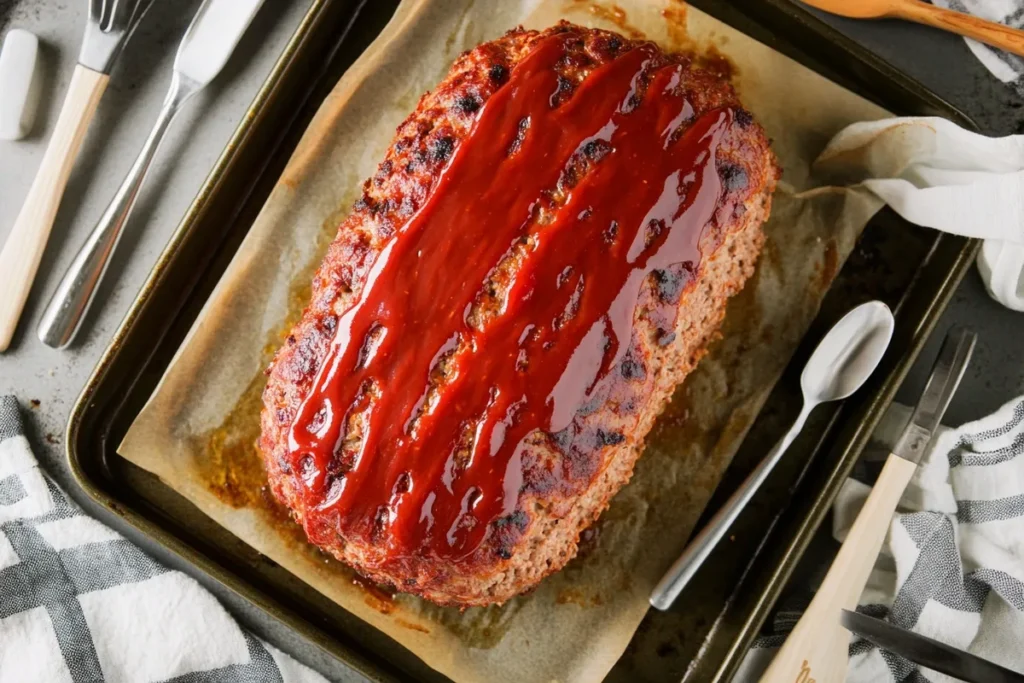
[197, 431]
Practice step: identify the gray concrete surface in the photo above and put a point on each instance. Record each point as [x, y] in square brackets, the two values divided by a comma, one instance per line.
[34, 372]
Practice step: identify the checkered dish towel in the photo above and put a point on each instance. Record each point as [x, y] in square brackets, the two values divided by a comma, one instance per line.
[952, 567]
[1004, 66]
[80, 603]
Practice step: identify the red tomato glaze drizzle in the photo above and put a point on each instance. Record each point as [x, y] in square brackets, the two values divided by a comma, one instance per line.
[429, 477]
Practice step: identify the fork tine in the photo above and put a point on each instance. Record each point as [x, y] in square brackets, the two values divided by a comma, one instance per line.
[120, 14]
[139, 9]
[96, 11]
[110, 24]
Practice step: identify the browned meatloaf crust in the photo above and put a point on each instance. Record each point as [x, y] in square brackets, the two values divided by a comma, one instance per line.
[675, 319]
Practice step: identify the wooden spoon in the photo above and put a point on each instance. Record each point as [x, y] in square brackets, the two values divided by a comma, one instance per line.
[988, 32]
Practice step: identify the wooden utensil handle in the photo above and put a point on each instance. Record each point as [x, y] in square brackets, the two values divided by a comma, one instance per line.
[23, 249]
[988, 32]
[816, 650]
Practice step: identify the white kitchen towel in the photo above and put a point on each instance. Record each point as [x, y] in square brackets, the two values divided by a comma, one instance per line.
[80, 603]
[1006, 67]
[952, 567]
[936, 174]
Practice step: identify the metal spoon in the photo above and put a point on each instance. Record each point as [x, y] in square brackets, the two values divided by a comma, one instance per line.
[844, 359]
[989, 32]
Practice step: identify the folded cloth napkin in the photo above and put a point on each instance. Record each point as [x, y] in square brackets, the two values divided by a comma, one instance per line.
[952, 567]
[80, 603]
[936, 174]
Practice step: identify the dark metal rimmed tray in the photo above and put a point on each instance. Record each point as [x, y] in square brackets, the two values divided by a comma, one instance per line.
[705, 636]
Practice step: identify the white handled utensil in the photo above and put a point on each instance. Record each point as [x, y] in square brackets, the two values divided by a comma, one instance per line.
[817, 648]
[844, 359]
[18, 82]
[110, 24]
[208, 42]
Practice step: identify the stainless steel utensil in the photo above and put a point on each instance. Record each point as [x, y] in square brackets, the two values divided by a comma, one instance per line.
[926, 651]
[109, 26]
[206, 46]
[846, 357]
[817, 646]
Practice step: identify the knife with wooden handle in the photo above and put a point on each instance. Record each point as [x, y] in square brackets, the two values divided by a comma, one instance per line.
[816, 649]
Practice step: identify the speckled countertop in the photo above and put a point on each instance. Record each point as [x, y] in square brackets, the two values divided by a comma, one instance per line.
[48, 381]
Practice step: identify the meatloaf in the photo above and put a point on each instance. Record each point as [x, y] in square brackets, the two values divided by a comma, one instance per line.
[544, 254]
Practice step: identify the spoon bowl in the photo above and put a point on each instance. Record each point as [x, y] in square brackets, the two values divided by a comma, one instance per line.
[848, 354]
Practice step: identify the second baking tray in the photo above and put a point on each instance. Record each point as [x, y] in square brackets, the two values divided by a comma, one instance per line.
[912, 269]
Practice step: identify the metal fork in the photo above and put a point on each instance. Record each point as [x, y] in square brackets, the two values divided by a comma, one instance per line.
[110, 24]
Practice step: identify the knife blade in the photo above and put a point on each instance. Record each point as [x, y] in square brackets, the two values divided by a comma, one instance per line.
[949, 369]
[212, 37]
[926, 651]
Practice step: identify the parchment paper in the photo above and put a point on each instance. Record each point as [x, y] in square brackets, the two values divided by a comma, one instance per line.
[197, 432]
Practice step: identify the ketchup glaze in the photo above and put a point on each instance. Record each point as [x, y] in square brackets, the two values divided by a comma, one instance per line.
[413, 433]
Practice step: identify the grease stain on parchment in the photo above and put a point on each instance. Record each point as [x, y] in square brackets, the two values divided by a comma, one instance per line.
[705, 53]
[611, 13]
